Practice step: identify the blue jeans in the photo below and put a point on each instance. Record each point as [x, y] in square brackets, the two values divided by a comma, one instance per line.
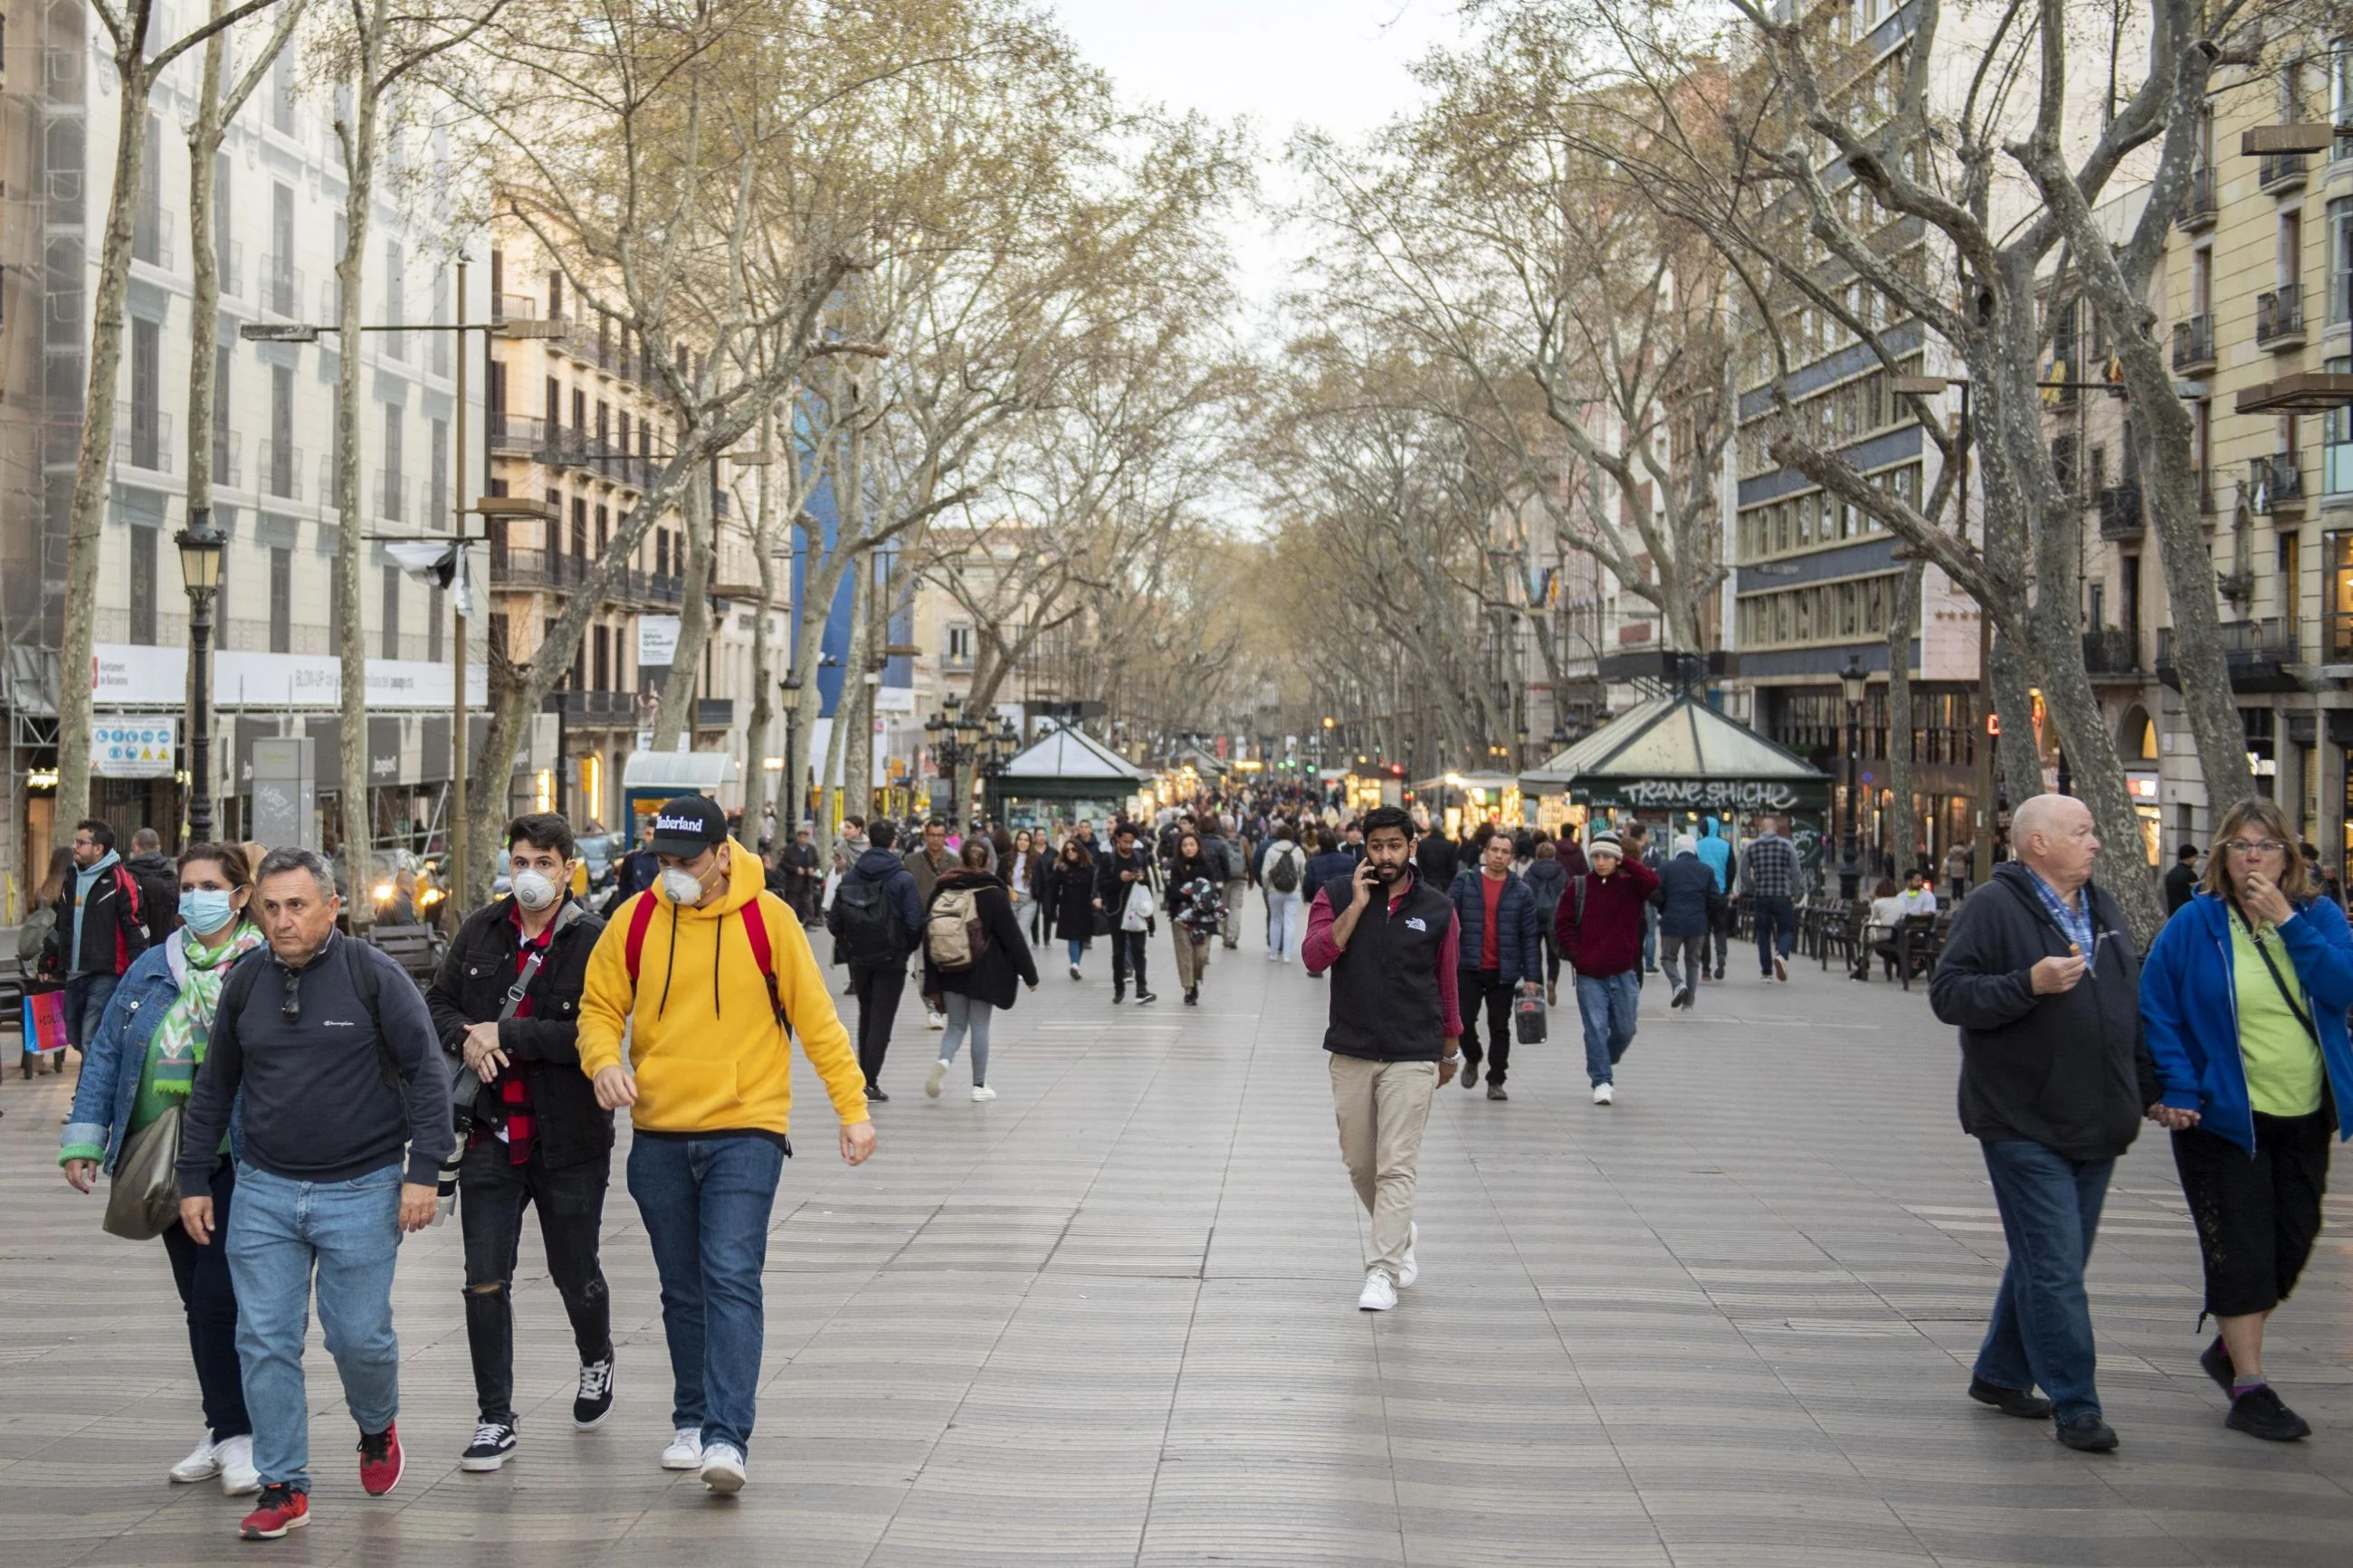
[1285, 931]
[1078, 948]
[2042, 1327]
[279, 1232]
[86, 999]
[964, 1015]
[705, 1203]
[1606, 1004]
[1773, 910]
[1650, 940]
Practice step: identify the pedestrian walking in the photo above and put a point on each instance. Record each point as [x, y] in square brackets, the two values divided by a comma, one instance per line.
[928, 861]
[1394, 1035]
[1328, 860]
[1958, 859]
[2244, 1000]
[802, 879]
[1071, 900]
[1121, 878]
[1635, 840]
[1546, 876]
[506, 1006]
[1196, 908]
[1768, 872]
[710, 978]
[99, 931]
[877, 922]
[35, 945]
[1020, 869]
[2040, 977]
[974, 951]
[2180, 882]
[135, 1080]
[1601, 930]
[1688, 887]
[1282, 872]
[638, 868]
[324, 1052]
[159, 884]
[1501, 957]
[1233, 866]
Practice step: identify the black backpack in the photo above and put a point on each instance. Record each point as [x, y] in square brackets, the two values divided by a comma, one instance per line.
[867, 921]
[1283, 868]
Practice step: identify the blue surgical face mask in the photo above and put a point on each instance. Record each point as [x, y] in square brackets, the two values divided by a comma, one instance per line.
[205, 910]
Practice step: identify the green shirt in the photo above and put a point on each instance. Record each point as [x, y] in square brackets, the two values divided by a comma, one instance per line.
[2282, 1064]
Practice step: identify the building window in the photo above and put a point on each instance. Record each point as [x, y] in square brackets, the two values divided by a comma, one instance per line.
[604, 657]
[224, 468]
[959, 644]
[2336, 439]
[142, 584]
[146, 394]
[436, 483]
[2341, 258]
[281, 600]
[391, 617]
[436, 611]
[391, 508]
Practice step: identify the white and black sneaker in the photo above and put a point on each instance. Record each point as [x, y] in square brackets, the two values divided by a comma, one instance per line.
[493, 1444]
[593, 1401]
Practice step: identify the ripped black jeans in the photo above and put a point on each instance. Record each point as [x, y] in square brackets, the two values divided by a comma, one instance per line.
[492, 1192]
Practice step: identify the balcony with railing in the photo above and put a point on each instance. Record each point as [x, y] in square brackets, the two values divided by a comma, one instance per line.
[514, 308]
[598, 709]
[567, 447]
[2278, 173]
[281, 470]
[2112, 651]
[151, 238]
[2274, 485]
[2120, 512]
[714, 713]
[2193, 344]
[2258, 653]
[228, 458]
[143, 436]
[2200, 206]
[2279, 318]
[283, 287]
[228, 267]
[552, 571]
[391, 496]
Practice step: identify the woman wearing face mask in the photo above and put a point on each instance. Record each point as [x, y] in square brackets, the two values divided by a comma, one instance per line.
[142, 1060]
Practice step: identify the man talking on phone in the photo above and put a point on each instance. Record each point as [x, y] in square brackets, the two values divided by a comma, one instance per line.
[1390, 942]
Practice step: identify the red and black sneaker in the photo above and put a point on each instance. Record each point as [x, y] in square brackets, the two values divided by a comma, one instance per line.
[282, 1509]
[380, 1460]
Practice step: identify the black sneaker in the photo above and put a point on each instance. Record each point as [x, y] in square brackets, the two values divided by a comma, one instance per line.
[1496, 1091]
[593, 1401]
[2018, 1402]
[2216, 1358]
[1193, 997]
[495, 1442]
[1144, 996]
[874, 1093]
[1470, 1075]
[2088, 1435]
[2259, 1414]
[1117, 997]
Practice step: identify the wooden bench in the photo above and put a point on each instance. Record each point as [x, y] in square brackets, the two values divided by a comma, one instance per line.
[411, 947]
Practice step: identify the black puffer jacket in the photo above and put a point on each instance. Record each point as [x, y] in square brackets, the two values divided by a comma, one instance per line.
[2068, 1071]
[472, 988]
[1004, 962]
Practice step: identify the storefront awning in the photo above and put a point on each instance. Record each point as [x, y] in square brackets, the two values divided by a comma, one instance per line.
[1677, 752]
[1070, 755]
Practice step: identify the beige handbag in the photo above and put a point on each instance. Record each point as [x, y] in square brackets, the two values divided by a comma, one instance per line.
[144, 1200]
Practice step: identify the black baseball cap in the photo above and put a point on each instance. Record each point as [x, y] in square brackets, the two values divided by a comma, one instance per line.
[688, 825]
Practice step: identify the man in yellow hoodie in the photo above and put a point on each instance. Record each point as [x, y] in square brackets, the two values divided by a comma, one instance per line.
[708, 977]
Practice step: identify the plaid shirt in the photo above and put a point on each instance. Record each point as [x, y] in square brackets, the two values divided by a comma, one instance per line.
[521, 1127]
[2076, 922]
[1769, 868]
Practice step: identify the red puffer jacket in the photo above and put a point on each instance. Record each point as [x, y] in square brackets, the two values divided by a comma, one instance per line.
[1608, 939]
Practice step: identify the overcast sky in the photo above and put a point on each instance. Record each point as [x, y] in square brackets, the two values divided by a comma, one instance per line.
[1336, 64]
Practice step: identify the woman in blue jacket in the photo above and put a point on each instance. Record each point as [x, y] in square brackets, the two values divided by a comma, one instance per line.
[142, 1060]
[2244, 1000]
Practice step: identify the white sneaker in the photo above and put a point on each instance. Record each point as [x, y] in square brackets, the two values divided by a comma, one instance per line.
[1074, 972]
[1603, 1094]
[1411, 1270]
[939, 1076]
[1780, 967]
[722, 1468]
[685, 1450]
[1379, 1295]
[982, 1094]
[237, 1475]
[201, 1464]
[935, 1020]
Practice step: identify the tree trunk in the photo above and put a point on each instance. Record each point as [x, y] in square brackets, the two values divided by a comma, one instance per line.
[676, 716]
[1904, 835]
[764, 710]
[358, 140]
[2215, 727]
[93, 464]
[857, 708]
[2018, 764]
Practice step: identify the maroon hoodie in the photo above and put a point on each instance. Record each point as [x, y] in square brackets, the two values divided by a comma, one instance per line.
[1610, 939]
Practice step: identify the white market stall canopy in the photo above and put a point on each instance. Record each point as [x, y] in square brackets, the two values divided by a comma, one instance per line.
[1677, 752]
[681, 773]
[1071, 756]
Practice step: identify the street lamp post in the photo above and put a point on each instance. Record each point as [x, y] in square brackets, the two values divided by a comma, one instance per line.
[1851, 681]
[200, 547]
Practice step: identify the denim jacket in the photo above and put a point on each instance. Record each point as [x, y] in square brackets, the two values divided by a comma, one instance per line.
[118, 1055]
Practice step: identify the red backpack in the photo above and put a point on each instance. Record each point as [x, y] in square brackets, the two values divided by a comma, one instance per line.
[755, 932]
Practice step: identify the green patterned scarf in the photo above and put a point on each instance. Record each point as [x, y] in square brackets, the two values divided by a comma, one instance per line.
[178, 1044]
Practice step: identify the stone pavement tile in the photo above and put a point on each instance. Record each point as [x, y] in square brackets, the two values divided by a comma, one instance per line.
[2107, 1537]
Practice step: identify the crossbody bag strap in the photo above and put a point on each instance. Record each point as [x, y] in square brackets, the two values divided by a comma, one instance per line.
[530, 965]
[2277, 979]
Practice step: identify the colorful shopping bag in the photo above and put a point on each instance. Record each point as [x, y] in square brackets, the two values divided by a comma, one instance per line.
[45, 1022]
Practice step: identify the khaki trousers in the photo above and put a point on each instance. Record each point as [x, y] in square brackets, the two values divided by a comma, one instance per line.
[1192, 957]
[1382, 1107]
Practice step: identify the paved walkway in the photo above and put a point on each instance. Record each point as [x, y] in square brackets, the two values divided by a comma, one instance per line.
[1110, 1319]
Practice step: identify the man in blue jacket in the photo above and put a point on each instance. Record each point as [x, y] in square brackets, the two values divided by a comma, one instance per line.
[1686, 884]
[2040, 975]
[1501, 953]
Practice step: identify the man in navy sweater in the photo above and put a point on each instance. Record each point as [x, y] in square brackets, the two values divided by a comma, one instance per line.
[343, 1125]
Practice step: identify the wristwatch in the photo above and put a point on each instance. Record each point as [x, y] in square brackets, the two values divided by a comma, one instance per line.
[1448, 1061]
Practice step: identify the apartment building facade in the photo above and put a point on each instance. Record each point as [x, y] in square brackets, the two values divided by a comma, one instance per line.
[277, 212]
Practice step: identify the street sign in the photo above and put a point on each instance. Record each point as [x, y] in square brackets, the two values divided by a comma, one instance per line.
[134, 746]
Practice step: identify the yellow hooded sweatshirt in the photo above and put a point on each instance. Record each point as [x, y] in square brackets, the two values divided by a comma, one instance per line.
[708, 1053]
